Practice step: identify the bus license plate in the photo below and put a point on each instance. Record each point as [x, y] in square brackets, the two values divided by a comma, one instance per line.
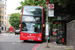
[30, 39]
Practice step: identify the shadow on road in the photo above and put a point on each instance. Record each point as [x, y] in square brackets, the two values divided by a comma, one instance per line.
[31, 42]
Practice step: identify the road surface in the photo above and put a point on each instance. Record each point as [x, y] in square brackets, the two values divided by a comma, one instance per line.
[12, 42]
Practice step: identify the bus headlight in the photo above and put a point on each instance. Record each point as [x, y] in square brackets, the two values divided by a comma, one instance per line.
[40, 35]
[39, 38]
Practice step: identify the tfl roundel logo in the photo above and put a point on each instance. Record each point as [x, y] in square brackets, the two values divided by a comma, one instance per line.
[50, 6]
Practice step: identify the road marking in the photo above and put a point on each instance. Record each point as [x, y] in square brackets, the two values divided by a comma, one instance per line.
[35, 47]
[13, 43]
[18, 41]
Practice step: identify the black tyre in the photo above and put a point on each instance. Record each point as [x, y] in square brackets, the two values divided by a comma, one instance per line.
[49, 40]
[15, 33]
[23, 40]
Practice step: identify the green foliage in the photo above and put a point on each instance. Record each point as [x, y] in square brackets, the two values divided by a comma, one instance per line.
[61, 6]
[43, 3]
[32, 3]
[60, 2]
[15, 19]
[11, 32]
[69, 49]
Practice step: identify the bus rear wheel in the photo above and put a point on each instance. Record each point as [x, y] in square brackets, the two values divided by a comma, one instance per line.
[23, 40]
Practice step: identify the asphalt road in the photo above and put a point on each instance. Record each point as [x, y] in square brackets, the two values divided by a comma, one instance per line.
[12, 42]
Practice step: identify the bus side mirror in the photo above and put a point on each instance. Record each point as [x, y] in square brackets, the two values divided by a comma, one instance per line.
[19, 25]
[43, 25]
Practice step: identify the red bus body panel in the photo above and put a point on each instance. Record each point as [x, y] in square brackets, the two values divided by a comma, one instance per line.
[32, 36]
[28, 36]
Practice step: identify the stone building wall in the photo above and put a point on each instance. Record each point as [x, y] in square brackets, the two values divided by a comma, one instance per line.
[71, 33]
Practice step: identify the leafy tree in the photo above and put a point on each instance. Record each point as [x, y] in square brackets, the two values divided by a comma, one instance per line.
[32, 2]
[60, 2]
[15, 20]
[62, 7]
[39, 3]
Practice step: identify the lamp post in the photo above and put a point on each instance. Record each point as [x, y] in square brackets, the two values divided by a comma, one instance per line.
[47, 24]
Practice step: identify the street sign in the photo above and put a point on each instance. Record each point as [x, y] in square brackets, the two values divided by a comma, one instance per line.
[47, 29]
[47, 2]
[50, 10]
[51, 13]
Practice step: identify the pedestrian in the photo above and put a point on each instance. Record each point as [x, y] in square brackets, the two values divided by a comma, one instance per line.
[60, 38]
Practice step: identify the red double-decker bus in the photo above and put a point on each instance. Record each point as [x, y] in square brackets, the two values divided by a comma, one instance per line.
[32, 20]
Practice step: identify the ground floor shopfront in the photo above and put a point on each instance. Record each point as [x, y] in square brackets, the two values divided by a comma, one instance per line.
[3, 28]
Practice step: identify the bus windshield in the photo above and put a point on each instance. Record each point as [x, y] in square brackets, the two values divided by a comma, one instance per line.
[31, 27]
[32, 18]
[32, 10]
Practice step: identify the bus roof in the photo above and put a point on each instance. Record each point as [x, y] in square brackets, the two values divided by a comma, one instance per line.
[32, 6]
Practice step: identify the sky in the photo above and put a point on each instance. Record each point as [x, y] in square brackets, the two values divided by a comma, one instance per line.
[12, 5]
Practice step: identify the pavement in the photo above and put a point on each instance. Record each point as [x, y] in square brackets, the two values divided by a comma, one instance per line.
[53, 46]
[5, 34]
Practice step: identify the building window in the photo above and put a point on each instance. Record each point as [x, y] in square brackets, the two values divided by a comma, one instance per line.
[5, 3]
[2, 22]
[0, 17]
[0, 0]
[5, 17]
[0, 11]
[5, 22]
[5, 13]
[5, 28]
[0, 6]
[5, 8]
[2, 28]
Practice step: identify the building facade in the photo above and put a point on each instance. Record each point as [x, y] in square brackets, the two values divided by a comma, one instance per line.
[8, 24]
[3, 15]
[71, 33]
